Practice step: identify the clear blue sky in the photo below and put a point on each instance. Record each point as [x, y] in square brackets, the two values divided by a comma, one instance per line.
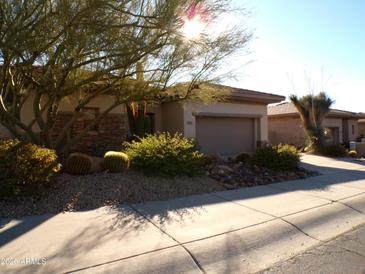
[323, 39]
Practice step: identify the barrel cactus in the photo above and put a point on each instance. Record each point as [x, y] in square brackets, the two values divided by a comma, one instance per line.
[79, 164]
[115, 161]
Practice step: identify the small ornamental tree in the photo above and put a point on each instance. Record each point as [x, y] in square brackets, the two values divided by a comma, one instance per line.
[312, 110]
[52, 49]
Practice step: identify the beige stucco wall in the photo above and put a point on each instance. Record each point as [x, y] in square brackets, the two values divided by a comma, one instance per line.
[352, 129]
[289, 130]
[336, 123]
[26, 114]
[286, 130]
[356, 134]
[361, 129]
[102, 102]
[172, 117]
[190, 108]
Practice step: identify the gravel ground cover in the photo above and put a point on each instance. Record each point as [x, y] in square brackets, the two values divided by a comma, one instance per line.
[71, 193]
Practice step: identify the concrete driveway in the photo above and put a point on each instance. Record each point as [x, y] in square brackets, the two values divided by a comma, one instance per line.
[243, 231]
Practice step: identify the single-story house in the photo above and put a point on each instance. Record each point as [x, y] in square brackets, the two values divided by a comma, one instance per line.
[285, 125]
[238, 124]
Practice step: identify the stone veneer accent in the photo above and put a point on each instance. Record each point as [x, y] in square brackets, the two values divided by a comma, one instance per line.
[110, 134]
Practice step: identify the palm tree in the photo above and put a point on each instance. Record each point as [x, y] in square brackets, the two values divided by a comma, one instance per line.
[312, 110]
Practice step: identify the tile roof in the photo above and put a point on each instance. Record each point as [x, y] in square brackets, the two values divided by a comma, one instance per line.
[287, 108]
[233, 93]
[282, 108]
[248, 91]
[240, 93]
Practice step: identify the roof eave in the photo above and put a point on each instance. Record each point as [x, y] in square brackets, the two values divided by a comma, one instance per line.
[293, 114]
[266, 99]
[354, 116]
[330, 115]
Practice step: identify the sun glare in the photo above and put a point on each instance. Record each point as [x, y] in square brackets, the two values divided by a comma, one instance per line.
[193, 27]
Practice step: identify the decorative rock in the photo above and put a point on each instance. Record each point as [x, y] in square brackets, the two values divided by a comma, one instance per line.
[228, 186]
[221, 172]
[225, 168]
[232, 175]
[238, 166]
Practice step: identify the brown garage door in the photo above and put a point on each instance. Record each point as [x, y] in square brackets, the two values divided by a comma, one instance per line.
[225, 135]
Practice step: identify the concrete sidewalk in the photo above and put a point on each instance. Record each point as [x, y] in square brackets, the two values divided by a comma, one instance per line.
[241, 231]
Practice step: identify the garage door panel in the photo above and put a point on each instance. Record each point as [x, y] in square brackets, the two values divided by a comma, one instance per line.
[225, 135]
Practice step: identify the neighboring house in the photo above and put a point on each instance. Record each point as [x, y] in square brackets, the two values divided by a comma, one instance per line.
[285, 125]
[362, 128]
[239, 124]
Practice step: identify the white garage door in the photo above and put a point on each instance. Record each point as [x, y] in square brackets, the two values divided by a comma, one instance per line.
[225, 135]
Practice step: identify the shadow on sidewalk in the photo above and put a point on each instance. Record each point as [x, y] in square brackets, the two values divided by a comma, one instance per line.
[20, 227]
[177, 210]
[185, 209]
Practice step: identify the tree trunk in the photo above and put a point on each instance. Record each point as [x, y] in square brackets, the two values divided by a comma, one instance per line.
[139, 123]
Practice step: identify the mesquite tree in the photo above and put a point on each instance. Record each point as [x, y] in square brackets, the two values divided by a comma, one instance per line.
[312, 110]
[52, 49]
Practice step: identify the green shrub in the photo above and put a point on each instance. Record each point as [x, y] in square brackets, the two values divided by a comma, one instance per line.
[166, 155]
[243, 157]
[8, 182]
[25, 167]
[282, 157]
[352, 154]
[208, 160]
[79, 164]
[334, 151]
[115, 161]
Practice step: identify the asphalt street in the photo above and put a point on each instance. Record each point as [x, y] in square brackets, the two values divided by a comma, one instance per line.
[343, 255]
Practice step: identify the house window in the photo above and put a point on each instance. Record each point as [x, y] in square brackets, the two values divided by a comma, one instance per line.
[353, 129]
[89, 115]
